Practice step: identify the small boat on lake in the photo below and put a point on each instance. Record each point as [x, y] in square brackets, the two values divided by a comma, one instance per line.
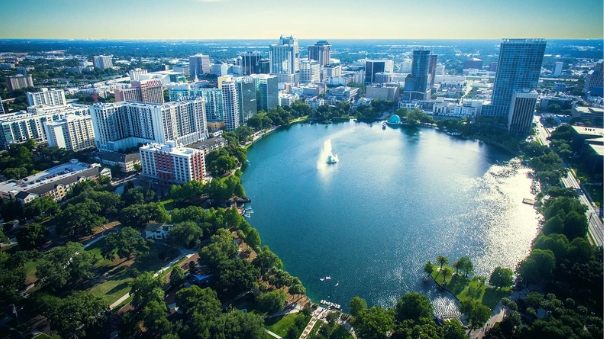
[332, 159]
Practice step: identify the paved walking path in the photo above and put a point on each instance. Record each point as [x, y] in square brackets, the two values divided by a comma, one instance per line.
[316, 316]
[498, 315]
[272, 333]
[167, 266]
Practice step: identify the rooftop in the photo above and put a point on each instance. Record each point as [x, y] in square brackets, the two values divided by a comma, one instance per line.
[50, 176]
[589, 131]
[599, 149]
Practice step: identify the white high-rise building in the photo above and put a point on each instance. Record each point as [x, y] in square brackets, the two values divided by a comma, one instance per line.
[73, 132]
[231, 105]
[558, 69]
[310, 71]
[285, 56]
[18, 127]
[172, 163]
[135, 74]
[102, 61]
[52, 97]
[124, 124]
[199, 65]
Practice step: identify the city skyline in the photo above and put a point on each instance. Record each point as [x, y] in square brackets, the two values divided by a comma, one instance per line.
[236, 19]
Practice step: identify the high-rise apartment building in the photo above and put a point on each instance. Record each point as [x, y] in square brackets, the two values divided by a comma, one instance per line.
[199, 64]
[149, 91]
[1, 107]
[372, 67]
[416, 83]
[250, 63]
[52, 97]
[19, 81]
[231, 105]
[18, 127]
[122, 125]
[102, 61]
[212, 99]
[522, 108]
[432, 63]
[594, 80]
[285, 56]
[246, 93]
[172, 163]
[320, 52]
[73, 132]
[310, 71]
[267, 88]
[518, 69]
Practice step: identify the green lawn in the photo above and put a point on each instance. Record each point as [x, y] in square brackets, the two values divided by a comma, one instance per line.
[280, 325]
[119, 272]
[465, 290]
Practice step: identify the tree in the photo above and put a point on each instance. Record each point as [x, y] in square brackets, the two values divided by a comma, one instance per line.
[457, 265]
[189, 213]
[32, 236]
[177, 276]
[480, 279]
[125, 244]
[185, 234]
[501, 277]
[154, 317]
[65, 263]
[413, 306]
[80, 219]
[477, 313]
[236, 276]
[428, 267]
[266, 259]
[442, 260]
[297, 288]
[357, 304]
[575, 225]
[79, 315]
[271, 302]
[138, 215]
[145, 289]
[466, 265]
[239, 325]
[446, 274]
[373, 323]
[40, 207]
[253, 238]
[454, 330]
[538, 266]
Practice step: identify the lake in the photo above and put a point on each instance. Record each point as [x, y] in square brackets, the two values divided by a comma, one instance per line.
[397, 198]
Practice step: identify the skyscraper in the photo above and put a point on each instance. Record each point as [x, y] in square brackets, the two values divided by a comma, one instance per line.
[594, 80]
[310, 71]
[73, 132]
[125, 124]
[267, 87]
[285, 56]
[320, 52]
[558, 69]
[432, 69]
[518, 69]
[231, 105]
[377, 66]
[199, 64]
[416, 83]
[250, 62]
[19, 81]
[246, 93]
[522, 107]
[150, 91]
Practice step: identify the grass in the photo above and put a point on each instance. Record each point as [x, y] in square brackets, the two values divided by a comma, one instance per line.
[280, 325]
[465, 289]
[118, 273]
[30, 272]
[316, 328]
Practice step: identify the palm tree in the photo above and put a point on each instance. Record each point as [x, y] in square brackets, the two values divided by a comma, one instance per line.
[457, 264]
[445, 274]
[442, 260]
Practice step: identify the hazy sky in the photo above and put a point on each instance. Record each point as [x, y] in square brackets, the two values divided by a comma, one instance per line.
[346, 19]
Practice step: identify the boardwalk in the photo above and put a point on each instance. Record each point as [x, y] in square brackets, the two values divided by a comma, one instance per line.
[316, 316]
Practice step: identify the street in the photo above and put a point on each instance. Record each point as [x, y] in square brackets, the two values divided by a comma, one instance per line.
[596, 229]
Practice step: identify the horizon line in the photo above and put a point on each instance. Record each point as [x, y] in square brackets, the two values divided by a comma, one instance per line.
[202, 39]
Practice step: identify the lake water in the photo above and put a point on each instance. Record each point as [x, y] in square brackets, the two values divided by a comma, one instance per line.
[397, 198]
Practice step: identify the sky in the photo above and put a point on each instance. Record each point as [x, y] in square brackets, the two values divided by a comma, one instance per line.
[306, 19]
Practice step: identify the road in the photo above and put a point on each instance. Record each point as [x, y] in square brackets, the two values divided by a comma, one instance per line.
[596, 229]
